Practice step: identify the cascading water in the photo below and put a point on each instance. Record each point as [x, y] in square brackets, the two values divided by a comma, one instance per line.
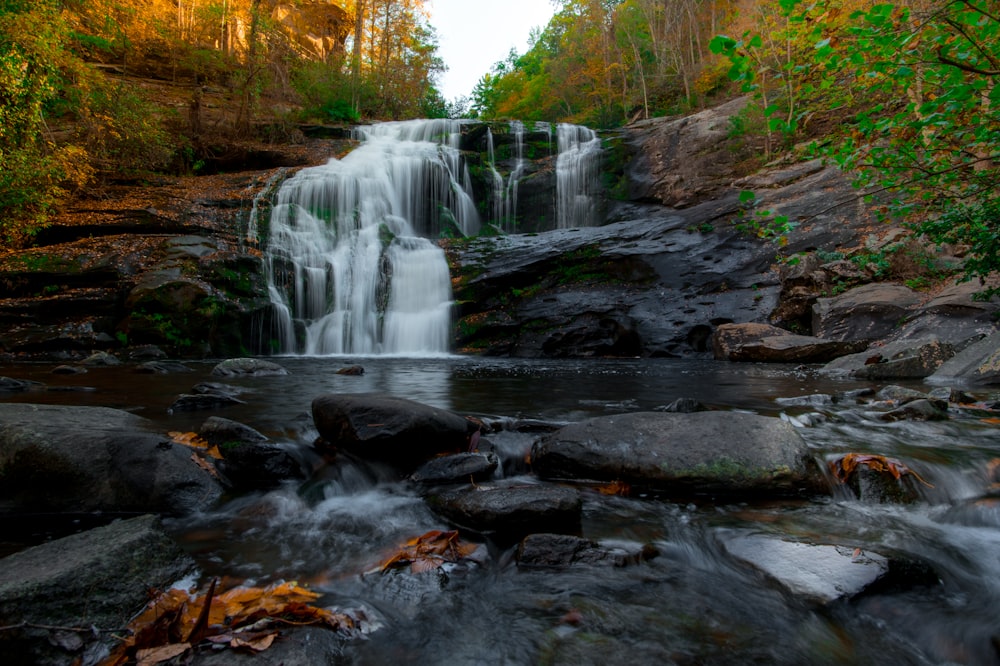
[577, 176]
[350, 268]
[504, 209]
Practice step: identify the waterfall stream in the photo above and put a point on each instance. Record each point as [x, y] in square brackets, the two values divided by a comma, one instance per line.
[350, 262]
[350, 266]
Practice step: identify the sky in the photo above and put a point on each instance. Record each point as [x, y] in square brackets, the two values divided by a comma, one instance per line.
[474, 34]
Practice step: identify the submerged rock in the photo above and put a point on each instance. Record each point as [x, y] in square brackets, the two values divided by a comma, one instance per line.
[818, 573]
[565, 550]
[394, 430]
[705, 452]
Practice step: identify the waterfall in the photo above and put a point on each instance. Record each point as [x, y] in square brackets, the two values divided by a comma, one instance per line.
[504, 193]
[350, 266]
[577, 176]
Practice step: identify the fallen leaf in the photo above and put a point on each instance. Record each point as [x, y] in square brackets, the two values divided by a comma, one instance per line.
[157, 655]
[429, 551]
[201, 462]
[255, 642]
[615, 488]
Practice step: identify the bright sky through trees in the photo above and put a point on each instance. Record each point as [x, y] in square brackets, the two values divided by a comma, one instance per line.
[475, 34]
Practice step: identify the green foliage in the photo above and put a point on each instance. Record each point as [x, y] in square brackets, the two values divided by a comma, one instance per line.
[123, 131]
[977, 225]
[325, 93]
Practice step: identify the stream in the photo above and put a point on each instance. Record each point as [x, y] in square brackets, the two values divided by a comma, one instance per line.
[694, 603]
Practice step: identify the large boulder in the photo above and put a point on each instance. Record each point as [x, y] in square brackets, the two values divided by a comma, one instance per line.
[98, 578]
[728, 453]
[55, 458]
[955, 315]
[894, 360]
[770, 344]
[401, 432]
[977, 364]
[868, 312]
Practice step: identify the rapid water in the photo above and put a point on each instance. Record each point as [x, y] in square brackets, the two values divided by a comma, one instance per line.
[692, 604]
[349, 246]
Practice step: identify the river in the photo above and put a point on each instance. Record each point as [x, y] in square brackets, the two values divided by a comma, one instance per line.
[695, 603]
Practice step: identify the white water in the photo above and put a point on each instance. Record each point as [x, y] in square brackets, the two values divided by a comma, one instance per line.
[504, 209]
[577, 176]
[350, 267]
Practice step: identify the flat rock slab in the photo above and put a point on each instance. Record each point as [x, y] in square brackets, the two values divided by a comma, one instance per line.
[394, 430]
[763, 343]
[559, 551]
[56, 458]
[253, 367]
[819, 573]
[511, 509]
[704, 452]
[100, 578]
[457, 468]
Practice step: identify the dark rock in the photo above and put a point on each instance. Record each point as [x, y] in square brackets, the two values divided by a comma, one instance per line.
[69, 370]
[161, 367]
[98, 578]
[95, 459]
[564, 550]
[212, 388]
[817, 573]
[190, 402]
[394, 430]
[919, 410]
[706, 452]
[218, 431]
[683, 406]
[457, 468]
[101, 359]
[980, 512]
[298, 646]
[511, 510]
[953, 316]
[254, 367]
[352, 370]
[146, 353]
[899, 394]
[865, 313]
[757, 342]
[895, 360]
[254, 465]
[815, 401]
[10, 385]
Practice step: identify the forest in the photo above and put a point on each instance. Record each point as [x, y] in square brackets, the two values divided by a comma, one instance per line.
[901, 94]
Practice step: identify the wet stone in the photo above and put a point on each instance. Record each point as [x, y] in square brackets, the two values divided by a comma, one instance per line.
[190, 402]
[818, 573]
[511, 510]
[565, 550]
[247, 366]
[919, 410]
[69, 370]
[161, 367]
[457, 468]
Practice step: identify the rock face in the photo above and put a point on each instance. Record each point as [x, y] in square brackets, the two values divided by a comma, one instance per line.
[106, 460]
[895, 360]
[978, 364]
[869, 312]
[394, 430]
[705, 452]
[99, 578]
[770, 344]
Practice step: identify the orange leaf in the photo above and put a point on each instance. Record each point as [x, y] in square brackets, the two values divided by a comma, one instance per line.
[156, 655]
[615, 488]
[257, 643]
[190, 439]
[844, 467]
[429, 551]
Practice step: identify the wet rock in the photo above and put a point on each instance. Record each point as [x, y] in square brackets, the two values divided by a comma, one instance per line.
[899, 394]
[191, 402]
[977, 364]
[299, 646]
[565, 550]
[11, 385]
[101, 359]
[815, 400]
[457, 468]
[755, 342]
[818, 573]
[954, 316]
[868, 312]
[55, 458]
[919, 410]
[401, 432]
[98, 578]
[146, 353]
[69, 370]
[218, 431]
[352, 370]
[683, 406]
[894, 360]
[255, 465]
[981, 512]
[161, 367]
[511, 510]
[706, 452]
[209, 388]
[253, 367]
[878, 487]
